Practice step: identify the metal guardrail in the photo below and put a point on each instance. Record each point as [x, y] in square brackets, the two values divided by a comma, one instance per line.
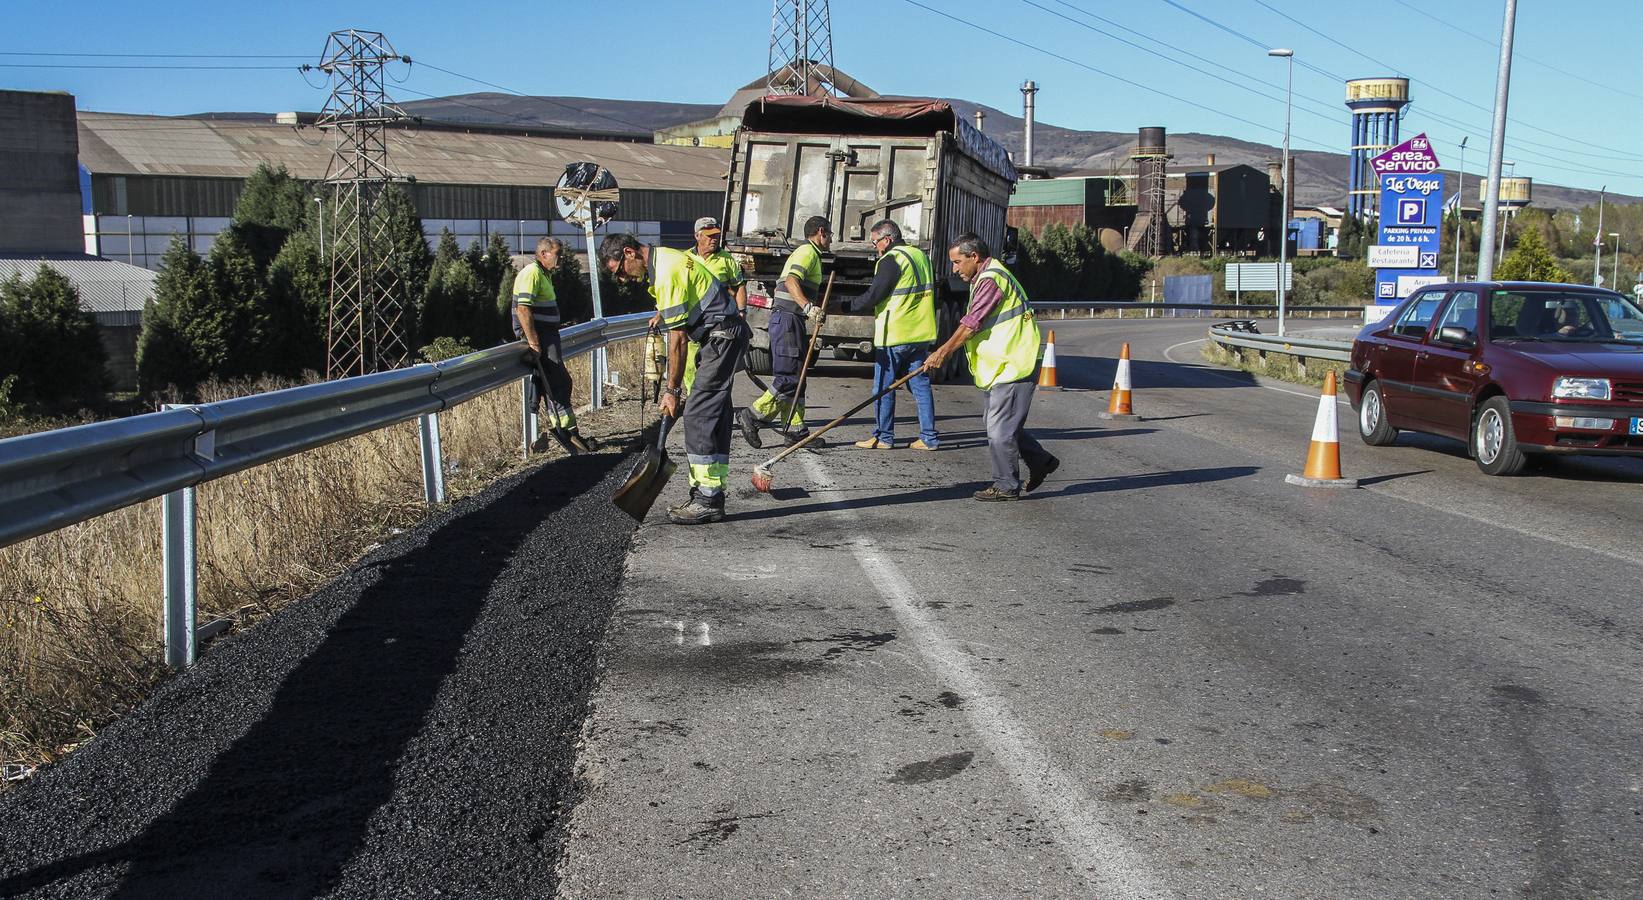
[1210, 309]
[54, 479]
[1310, 348]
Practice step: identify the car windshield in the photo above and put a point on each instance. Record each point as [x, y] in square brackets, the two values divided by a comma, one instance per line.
[1568, 316]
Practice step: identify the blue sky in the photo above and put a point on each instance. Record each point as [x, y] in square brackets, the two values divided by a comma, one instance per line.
[1569, 129]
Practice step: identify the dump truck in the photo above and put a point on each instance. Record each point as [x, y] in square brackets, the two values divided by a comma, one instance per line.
[913, 160]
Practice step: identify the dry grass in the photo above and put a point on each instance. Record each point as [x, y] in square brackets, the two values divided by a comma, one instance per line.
[80, 608]
[1280, 366]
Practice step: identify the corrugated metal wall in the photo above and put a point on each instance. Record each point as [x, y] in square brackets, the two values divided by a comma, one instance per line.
[151, 195]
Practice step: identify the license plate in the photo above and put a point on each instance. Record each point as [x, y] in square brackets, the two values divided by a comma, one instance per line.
[1637, 426]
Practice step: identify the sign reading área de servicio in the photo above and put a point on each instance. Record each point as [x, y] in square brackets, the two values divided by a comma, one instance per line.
[1412, 157]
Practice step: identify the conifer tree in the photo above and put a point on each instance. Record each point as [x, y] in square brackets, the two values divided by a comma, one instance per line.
[168, 354]
[51, 344]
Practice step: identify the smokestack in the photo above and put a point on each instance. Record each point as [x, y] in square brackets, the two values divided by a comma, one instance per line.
[1209, 159]
[979, 116]
[1028, 89]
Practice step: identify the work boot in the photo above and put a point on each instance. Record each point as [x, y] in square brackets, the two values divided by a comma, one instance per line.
[797, 436]
[582, 444]
[919, 444]
[992, 493]
[563, 437]
[542, 443]
[1037, 474]
[698, 510]
[873, 443]
[750, 428]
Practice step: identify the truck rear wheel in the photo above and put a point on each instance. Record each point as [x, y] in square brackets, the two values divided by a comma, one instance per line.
[758, 360]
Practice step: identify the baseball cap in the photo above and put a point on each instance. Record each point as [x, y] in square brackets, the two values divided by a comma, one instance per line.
[707, 224]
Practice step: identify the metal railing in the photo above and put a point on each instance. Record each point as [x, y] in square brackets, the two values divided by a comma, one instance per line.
[1308, 348]
[54, 479]
[1125, 308]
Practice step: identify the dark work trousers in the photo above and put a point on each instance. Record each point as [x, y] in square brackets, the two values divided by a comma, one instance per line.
[788, 343]
[709, 408]
[1007, 437]
[556, 393]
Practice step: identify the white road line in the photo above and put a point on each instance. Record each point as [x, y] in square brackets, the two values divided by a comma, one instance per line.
[1098, 851]
[1208, 371]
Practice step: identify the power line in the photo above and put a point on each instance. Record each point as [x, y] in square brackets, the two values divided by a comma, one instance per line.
[1523, 56]
[1332, 115]
[1427, 84]
[136, 66]
[156, 55]
[1119, 78]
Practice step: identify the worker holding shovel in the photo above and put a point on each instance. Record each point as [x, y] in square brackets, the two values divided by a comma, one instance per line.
[702, 321]
[536, 322]
[1000, 339]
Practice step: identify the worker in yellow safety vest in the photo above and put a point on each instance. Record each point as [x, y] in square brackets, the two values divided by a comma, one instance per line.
[903, 299]
[709, 240]
[536, 321]
[1001, 343]
[703, 323]
[798, 301]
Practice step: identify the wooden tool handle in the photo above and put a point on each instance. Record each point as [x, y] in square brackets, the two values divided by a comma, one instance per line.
[847, 414]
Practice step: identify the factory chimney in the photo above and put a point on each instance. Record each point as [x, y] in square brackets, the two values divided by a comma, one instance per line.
[979, 116]
[1028, 89]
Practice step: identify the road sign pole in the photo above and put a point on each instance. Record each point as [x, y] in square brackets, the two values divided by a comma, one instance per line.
[599, 360]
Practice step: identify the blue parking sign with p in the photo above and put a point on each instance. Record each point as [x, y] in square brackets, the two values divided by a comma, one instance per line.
[1411, 212]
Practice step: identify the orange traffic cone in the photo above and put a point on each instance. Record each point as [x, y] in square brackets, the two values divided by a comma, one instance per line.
[1046, 369]
[1323, 458]
[1118, 406]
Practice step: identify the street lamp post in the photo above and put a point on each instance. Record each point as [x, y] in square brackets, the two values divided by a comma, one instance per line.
[1460, 197]
[1597, 239]
[1615, 276]
[1497, 144]
[1283, 216]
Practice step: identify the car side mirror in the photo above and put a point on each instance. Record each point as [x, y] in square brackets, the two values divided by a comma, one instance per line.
[1454, 334]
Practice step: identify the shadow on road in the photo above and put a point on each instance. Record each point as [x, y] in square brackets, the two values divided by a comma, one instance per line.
[283, 808]
[1096, 373]
[963, 491]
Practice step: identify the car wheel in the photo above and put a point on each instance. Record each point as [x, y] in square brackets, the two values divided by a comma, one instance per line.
[1372, 424]
[1494, 445]
[758, 361]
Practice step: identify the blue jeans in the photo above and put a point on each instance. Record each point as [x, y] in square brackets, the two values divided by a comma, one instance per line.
[889, 364]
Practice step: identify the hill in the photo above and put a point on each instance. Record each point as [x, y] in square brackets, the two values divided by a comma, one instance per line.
[1320, 178]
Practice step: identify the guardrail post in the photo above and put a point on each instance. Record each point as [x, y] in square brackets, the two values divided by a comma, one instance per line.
[181, 576]
[528, 418]
[600, 367]
[433, 459]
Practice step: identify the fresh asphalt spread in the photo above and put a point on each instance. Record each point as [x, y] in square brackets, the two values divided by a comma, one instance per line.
[407, 731]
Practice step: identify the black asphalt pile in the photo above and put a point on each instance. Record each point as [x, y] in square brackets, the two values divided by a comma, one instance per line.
[406, 732]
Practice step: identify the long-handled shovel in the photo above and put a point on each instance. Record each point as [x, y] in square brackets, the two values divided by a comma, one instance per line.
[804, 365]
[762, 476]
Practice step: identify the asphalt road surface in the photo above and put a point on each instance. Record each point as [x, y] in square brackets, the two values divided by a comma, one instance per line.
[1166, 673]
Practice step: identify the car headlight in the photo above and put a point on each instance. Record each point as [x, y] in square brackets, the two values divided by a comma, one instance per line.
[1580, 389]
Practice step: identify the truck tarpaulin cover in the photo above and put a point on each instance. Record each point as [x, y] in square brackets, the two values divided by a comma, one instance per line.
[889, 116]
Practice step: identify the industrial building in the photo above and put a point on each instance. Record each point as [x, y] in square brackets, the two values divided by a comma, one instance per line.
[147, 178]
[1158, 208]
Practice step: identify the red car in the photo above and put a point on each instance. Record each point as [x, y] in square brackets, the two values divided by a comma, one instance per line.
[1511, 368]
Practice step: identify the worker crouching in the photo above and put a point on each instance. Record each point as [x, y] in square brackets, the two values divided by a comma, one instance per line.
[702, 323]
